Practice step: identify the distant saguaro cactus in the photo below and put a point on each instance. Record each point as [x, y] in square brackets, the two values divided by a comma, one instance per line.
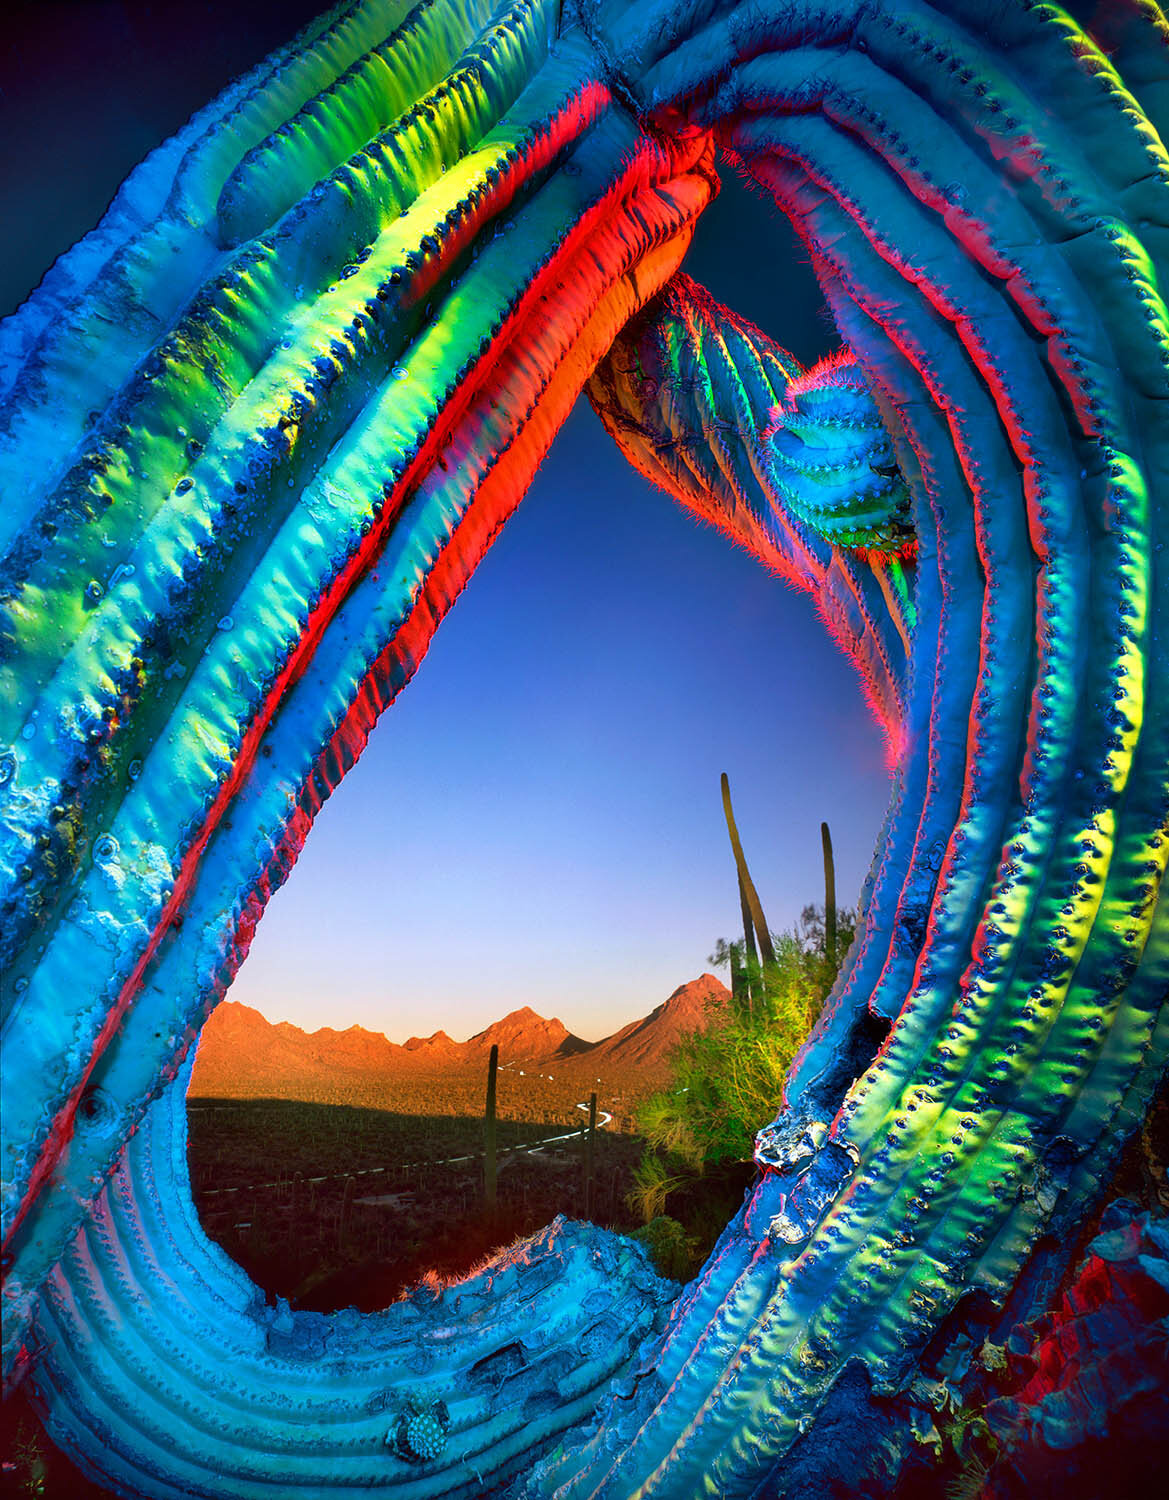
[750, 980]
[829, 896]
[490, 1169]
[758, 951]
[749, 896]
[590, 1138]
[343, 1216]
[294, 1205]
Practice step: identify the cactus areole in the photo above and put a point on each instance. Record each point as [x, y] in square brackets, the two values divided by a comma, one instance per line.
[258, 429]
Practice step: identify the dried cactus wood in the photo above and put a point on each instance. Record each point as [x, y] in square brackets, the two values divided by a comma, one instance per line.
[259, 428]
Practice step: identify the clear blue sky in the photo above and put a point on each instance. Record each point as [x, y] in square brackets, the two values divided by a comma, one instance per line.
[537, 820]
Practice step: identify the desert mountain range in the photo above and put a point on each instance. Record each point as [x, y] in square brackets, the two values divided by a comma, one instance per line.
[243, 1055]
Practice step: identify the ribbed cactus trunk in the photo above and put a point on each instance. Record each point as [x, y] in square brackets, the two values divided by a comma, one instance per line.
[490, 1162]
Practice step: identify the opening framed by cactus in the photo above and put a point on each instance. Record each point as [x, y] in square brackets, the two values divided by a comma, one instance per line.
[258, 429]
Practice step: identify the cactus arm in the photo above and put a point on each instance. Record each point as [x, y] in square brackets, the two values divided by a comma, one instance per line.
[792, 465]
[197, 789]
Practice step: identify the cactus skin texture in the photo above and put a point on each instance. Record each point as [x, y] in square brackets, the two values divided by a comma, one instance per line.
[259, 428]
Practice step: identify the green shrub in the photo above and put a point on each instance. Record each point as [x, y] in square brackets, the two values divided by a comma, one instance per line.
[665, 1240]
[728, 1076]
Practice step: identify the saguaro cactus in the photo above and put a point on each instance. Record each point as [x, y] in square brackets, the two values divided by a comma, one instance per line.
[755, 930]
[343, 1214]
[590, 1134]
[260, 427]
[829, 896]
[490, 1164]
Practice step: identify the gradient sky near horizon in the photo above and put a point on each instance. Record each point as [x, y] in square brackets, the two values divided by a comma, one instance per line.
[537, 820]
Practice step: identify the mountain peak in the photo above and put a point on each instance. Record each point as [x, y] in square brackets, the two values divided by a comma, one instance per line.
[438, 1041]
[697, 992]
[525, 1035]
[645, 1045]
[525, 1015]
